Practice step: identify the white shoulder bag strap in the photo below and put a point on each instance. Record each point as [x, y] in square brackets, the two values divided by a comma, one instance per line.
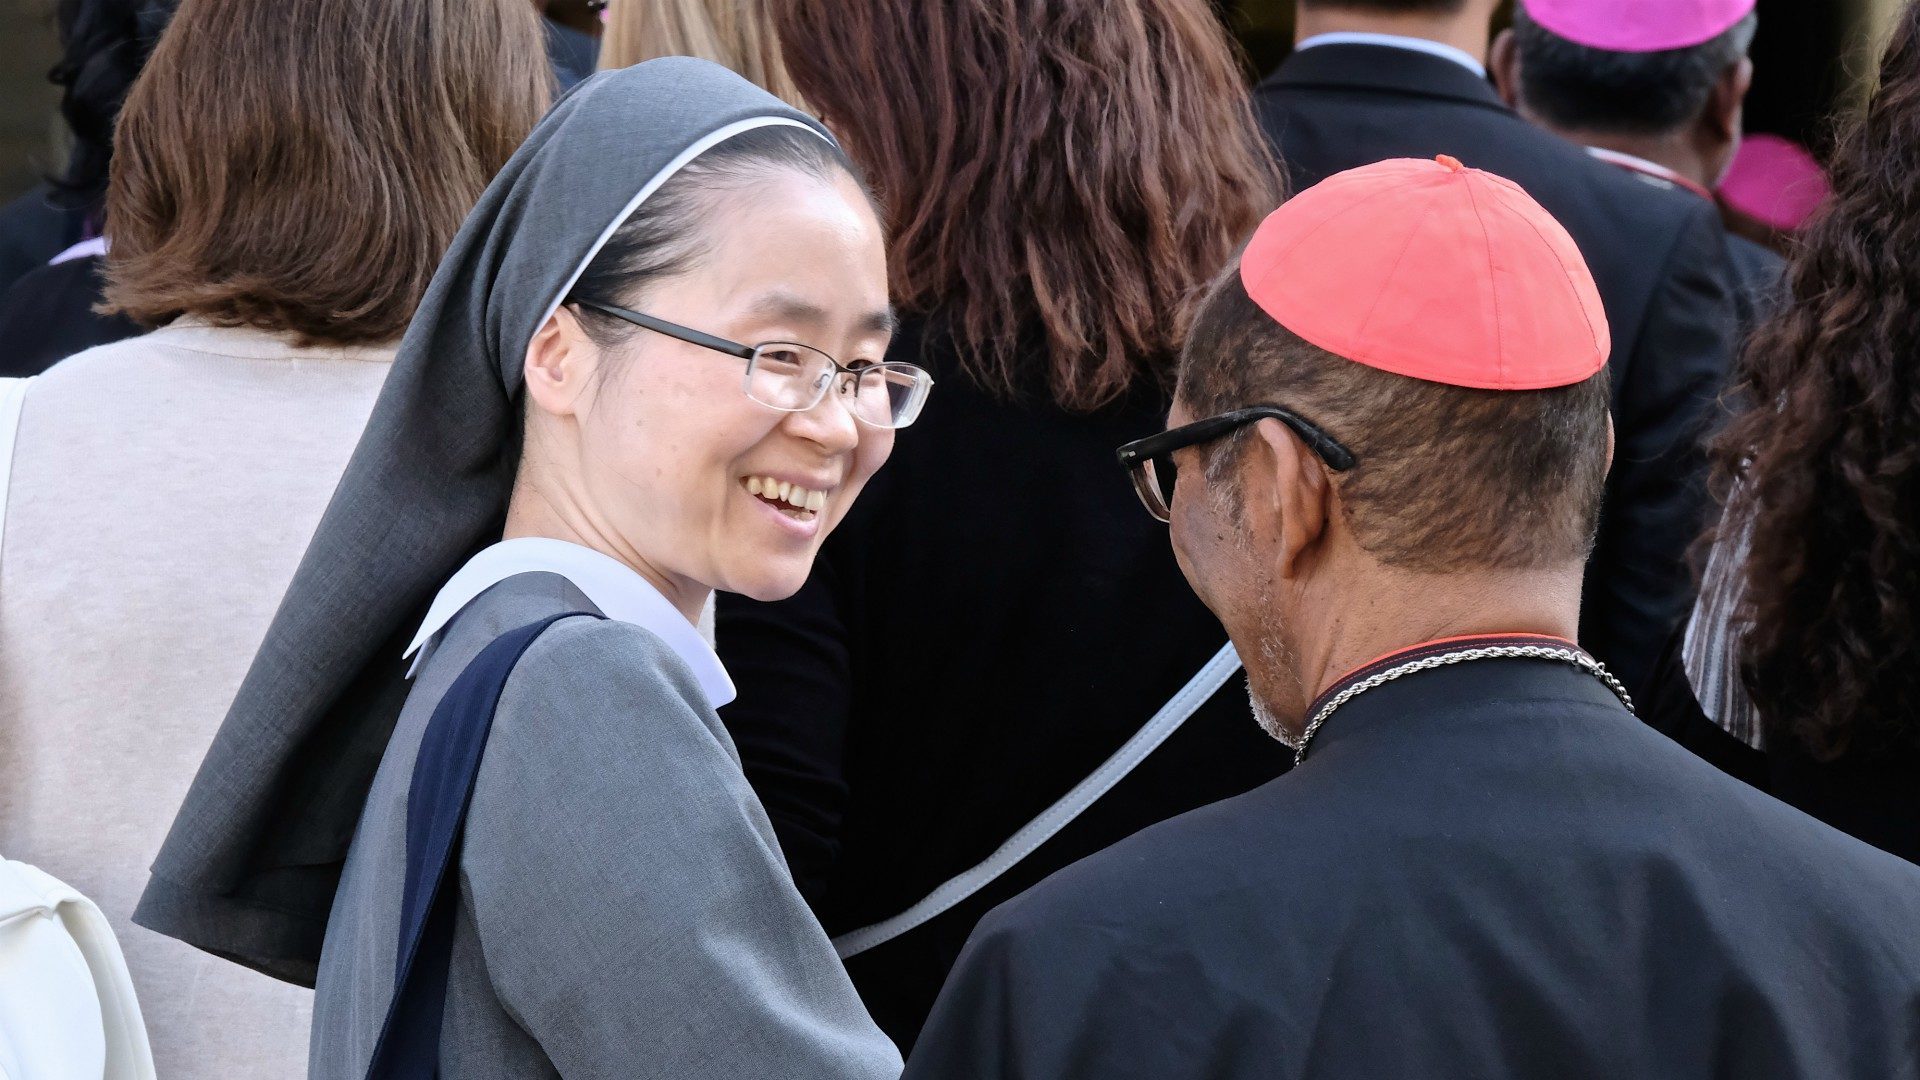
[13, 394]
[1036, 832]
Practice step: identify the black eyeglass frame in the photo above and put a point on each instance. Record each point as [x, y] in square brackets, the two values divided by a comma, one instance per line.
[1138, 456]
[747, 352]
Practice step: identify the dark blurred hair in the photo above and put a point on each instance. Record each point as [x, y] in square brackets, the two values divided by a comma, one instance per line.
[302, 167]
[1075, 168]
[663, 236]
[106, 43]
[1575, 87]
[1445, 478]
[1830, 450]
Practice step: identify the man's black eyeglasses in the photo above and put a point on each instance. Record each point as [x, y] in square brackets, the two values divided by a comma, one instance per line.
[1150, 460]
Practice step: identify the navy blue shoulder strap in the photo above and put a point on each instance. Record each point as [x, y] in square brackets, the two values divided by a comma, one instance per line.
[443, 778]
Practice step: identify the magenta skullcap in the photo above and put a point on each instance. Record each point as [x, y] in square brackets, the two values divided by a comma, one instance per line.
[1636, 26]
[1776, 181]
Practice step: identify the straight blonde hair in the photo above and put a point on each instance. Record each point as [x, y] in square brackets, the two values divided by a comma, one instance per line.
[736, 34]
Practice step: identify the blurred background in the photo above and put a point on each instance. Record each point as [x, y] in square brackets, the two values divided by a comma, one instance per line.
[1811, 57]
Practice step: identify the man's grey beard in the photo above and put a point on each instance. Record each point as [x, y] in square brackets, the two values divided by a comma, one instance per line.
[1270, 723]
[1275, 660]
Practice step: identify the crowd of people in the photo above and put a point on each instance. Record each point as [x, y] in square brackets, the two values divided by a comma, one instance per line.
[757, 561]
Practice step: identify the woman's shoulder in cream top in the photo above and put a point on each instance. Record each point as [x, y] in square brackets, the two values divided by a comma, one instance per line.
[163, 491]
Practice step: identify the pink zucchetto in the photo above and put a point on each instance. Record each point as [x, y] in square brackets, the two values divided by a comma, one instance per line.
[1775, 181]
[1636, 26]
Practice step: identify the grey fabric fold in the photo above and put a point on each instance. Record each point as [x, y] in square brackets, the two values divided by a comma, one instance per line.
[1716, 632]
[251, 864]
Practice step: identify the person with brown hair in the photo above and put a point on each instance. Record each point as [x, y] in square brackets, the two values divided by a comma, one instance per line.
[994, 620]
[278, 220]
[1800, 668]
[736, 34]
[364, 192]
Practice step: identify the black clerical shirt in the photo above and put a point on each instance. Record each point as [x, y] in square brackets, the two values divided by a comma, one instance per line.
[1487, 870]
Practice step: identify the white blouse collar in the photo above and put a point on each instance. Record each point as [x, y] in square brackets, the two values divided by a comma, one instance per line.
[613, 586]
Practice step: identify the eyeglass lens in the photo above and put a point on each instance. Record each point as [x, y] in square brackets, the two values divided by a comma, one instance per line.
[793, 378]
[1153, 480]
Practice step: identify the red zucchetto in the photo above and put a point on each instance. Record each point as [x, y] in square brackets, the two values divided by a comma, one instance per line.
[1434, 271]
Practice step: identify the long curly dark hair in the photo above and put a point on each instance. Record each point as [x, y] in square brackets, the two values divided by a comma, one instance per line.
[1829, 452]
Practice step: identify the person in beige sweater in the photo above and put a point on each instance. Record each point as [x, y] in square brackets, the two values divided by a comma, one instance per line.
[163, 488]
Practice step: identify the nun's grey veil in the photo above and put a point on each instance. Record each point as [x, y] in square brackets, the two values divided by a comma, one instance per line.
[250, 867]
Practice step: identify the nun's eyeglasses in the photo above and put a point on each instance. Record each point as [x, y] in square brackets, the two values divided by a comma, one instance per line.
[791, 377]
[1150, 460]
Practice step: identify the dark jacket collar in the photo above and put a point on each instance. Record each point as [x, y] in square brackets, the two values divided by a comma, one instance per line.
[1437, 647]
[1480, 699]
[1384, 69]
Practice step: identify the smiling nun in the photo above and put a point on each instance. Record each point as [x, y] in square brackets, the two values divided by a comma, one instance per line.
[648, 368]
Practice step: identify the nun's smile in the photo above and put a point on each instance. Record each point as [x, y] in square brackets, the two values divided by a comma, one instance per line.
[802, 499]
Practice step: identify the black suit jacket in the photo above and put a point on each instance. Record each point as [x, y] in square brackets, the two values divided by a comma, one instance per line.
[1490, 870]
[48, 316]
[570, 53]
[1659, 258]
[1756, 274]
[1759, 280]
[33, 230]
[1868, 792]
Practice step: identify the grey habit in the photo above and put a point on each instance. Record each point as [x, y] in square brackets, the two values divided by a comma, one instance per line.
[624, 907]
[577, 973]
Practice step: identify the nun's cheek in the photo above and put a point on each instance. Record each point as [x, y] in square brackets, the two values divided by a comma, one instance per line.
[876, 446]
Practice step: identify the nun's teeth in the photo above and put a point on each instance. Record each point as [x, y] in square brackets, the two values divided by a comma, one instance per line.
[787, 492]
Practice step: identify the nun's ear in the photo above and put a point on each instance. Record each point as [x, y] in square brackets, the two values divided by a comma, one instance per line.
[561, 361]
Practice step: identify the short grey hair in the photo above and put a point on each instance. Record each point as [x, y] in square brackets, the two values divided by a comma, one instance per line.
[1581, 88]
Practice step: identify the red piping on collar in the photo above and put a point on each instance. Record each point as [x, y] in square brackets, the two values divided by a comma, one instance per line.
[1430, 648]
[1648, 168]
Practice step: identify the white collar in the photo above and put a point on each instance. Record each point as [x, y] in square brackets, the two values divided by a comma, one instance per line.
[1397, 41]
[1637, 164]
[95, 246]
[612, 585]
[1648, 168]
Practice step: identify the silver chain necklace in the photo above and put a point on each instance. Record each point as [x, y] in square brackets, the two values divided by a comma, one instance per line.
[1485, 652]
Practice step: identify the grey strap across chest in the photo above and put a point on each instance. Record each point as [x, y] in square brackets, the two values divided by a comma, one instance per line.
[1175, 712]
